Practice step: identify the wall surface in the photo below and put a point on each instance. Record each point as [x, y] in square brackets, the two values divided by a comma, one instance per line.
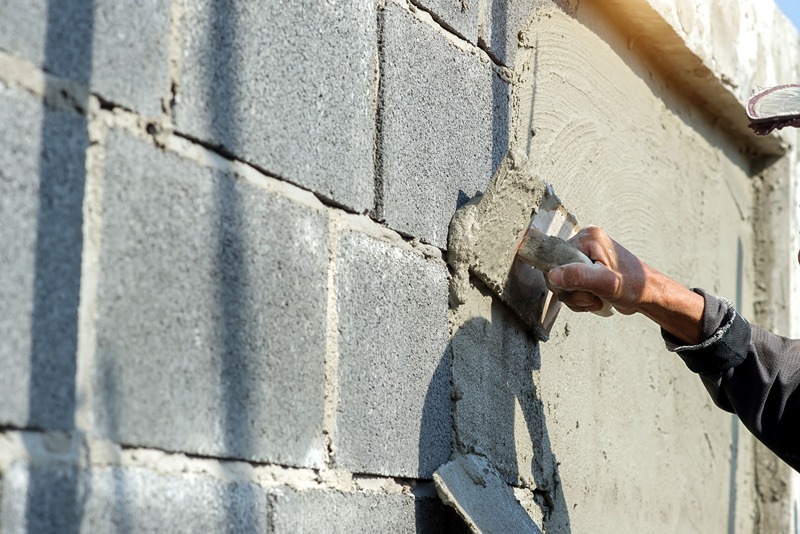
[227, 298]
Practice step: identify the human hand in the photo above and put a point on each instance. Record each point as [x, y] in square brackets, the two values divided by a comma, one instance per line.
[617, 277]
[621, 279]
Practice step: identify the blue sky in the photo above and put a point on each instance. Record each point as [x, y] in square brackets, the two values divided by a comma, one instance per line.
[792, 10]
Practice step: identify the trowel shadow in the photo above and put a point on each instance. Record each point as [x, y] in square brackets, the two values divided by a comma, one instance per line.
[497, 409]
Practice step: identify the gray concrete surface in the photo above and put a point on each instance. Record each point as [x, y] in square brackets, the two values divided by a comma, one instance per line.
[120, 48]
[41, 194]
[394, 366]
[301, 106]
[53, 498]
[211, 312]
[497, 411]
[444, 126]
[345, 513]
[501, 24]
[460, 16]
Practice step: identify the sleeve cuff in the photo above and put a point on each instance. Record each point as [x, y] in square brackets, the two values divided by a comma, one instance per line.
[726, 338]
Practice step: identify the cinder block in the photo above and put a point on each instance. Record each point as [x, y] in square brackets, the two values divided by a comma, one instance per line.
[211, 312]
[40, 499]
[116, 499]
[444, 126]
[121, 47]
[459, 15]
[501, 24]
[287, 86]
[41, 194]
[394, 363]
[349, 513]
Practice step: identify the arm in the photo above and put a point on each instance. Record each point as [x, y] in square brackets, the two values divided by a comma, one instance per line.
[747, 370]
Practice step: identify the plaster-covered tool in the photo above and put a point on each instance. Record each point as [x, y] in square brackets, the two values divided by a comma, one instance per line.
[512, 234]
[776, 107]
[481, 497]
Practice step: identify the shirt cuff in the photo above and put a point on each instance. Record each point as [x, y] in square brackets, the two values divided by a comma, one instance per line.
[725, 334]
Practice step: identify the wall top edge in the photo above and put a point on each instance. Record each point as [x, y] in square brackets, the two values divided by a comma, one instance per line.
[723, 52]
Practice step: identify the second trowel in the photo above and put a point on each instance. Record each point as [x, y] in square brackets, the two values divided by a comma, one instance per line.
[512, 234]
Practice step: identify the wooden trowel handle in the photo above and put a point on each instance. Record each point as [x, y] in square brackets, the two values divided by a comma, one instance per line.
[546, 252]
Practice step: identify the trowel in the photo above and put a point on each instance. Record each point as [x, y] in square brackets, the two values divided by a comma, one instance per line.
[774, 108]
[512, 235]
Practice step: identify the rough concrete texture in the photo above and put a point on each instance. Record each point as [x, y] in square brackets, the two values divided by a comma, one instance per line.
[498, 408]
[482, 498]
[444, 125]
[745, 43]
[459, 16]
[55, 498]
[120, 48]
[602, 118]
[500, 24]
[345, 513]
[720, 54]
[301, 105]
[41, 192]
[394, 368]
[211, 312]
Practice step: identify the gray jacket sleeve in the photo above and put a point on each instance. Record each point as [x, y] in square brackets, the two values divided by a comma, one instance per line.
[750, 372]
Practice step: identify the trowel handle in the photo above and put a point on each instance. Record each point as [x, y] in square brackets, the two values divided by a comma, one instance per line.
[547, 252]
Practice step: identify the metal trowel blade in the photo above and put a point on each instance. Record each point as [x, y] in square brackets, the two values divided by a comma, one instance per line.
[514, 200]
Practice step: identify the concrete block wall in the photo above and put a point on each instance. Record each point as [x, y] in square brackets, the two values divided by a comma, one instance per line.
[223, 234]
[227, 303]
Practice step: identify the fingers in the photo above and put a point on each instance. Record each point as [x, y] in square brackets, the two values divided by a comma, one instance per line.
[595, 279]
[580, 301]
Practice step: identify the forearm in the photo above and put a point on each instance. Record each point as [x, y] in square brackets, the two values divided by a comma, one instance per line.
[672, 306]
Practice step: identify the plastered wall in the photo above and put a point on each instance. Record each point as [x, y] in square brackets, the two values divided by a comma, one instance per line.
[226, 296]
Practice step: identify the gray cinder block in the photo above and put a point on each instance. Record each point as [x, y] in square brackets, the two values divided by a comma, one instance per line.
[394, 367]
[120, 48]
[42, 175]
[459, 15]
[211, 312]
[347, 513]
[503, 20]
[126, 499]
[287, 86]
[444, 126]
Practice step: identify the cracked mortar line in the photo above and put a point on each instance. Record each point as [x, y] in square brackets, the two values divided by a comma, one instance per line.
[425, 16]
[438, 19]
[60, 448]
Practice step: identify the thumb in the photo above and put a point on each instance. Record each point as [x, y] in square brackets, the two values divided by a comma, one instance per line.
[595, 278]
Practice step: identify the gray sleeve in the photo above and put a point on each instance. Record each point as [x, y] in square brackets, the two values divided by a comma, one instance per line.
[750, 372]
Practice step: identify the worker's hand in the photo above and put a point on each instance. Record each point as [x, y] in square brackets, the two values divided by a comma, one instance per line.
[617, 276]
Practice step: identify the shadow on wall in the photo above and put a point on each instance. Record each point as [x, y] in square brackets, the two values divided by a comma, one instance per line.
[236, 365]
[492, 373]
[57, 267]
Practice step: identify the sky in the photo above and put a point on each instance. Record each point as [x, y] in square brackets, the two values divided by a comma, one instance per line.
[791, 9]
